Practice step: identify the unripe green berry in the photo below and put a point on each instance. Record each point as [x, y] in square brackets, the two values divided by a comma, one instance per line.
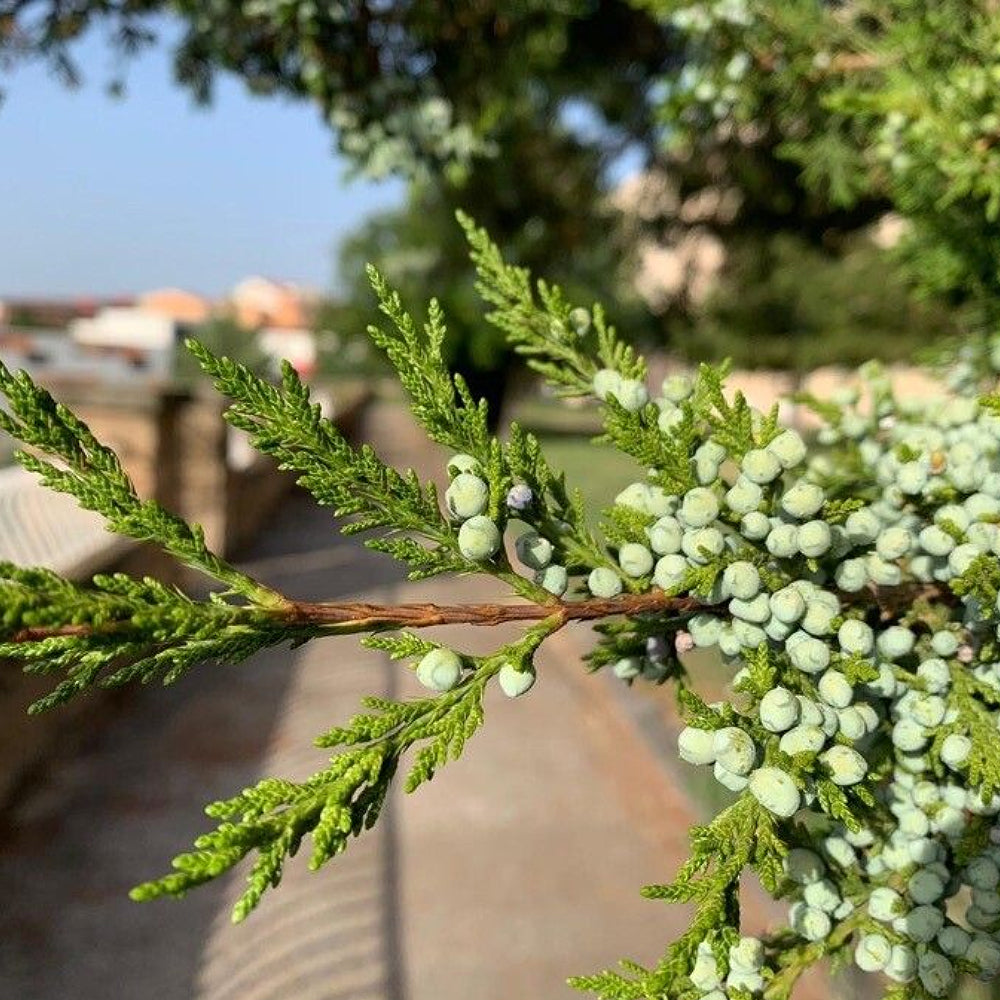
[734, 750]
[851, 575]
[885, 904]
[902, 966]
[814, 538]
[783, 541]
[744, 496]
[670, 571]
[702, 545]
[635, 560]
[579, 321]
[944, 643]
[804, 738]
[729, 779]
[803, 866]
[935, 540]
[533, 550]
[467, 496]
[779, 710]
[789, 449]
[846, 765]
[835, 689]
[479, 538]
[747, 954]
[606, 383]
[756, 611]
[514, 682]
[802, 500]
[440, 669]
[677, 387]
[937, 974]
[741, 580]
[631, 393]
[775, 791]
[604, 582]
[811, 656]
[893, 543]
[699, 507]
[925, 887]
[909, 736]
[809, 923]
[983, 873]
[754, 525]
[696, 746]
[760, 466]
[554, 579]
[787, 605]
[872, 953]
[822, 895]
[895, 642]
[627, 668]
[665, 536]
[954, 941]
[955, 750]
[856, 637]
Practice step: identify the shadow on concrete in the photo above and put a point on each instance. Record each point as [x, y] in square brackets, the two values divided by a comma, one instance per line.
[115, 810]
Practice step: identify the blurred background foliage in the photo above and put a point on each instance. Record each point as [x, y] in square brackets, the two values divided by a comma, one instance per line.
[769, 146]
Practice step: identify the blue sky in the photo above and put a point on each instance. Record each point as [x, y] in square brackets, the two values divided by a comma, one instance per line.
[109, 196]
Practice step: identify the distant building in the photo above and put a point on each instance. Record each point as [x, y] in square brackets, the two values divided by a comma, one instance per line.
[283, 316]
[176, 304]
[261, 302]
[128, 327]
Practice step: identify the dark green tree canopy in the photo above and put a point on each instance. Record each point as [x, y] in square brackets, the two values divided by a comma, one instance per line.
[406, 85]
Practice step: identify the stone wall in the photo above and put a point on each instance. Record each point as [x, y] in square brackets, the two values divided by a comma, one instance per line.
[178, 450]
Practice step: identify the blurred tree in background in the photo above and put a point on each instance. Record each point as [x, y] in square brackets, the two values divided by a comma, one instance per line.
[224, 336]
[782, 129]
[866, 106]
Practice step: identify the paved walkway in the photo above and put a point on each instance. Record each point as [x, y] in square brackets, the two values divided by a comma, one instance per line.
[518, 866]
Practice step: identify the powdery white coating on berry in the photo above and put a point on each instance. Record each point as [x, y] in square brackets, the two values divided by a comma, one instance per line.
[872, 953]
[955, 749]
[760, 466]
[606, 382]
[533, 550]
[699, 507]
[696, 746]
[479, 539]
[775, 791]
[734, 750]
[683, 642]
[635, 560]
[467, 496]
[846, 765]
[937, 974]
[514, 682]
[779, 710]
[789, 448]
[603, 582]
[440, 669]
[665, 536]
[677, 387]
[554, 579]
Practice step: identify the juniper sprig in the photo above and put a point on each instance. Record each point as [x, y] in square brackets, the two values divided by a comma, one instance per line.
[851, 583]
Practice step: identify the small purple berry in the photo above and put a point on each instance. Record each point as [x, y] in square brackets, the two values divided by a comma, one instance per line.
[519, 497]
